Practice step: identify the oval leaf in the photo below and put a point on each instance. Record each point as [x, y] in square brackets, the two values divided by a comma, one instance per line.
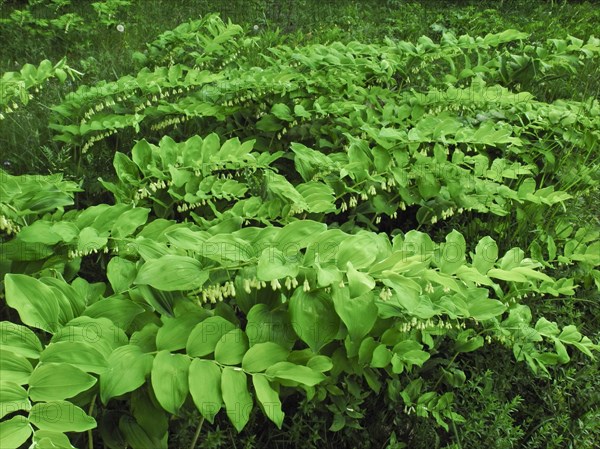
[36, 303]
[205, 387]
[14, 432]
[268, 398]
[13, 397]
[297, 373]
[314, 318]
[358, 314]
[76, 353]
[56, 381]
[20, 340]
[204, 337]
[170, 380]
[127, 370]
[171, 273]
[237, 399]
[231, 347]
[262, 355]
[60, 416]
[14, 368]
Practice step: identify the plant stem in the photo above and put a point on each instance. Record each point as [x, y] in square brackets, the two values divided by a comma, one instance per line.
[197, 434]
[89, 432]
[456, 435]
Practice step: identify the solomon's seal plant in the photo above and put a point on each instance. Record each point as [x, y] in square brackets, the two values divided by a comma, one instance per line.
[289, 222]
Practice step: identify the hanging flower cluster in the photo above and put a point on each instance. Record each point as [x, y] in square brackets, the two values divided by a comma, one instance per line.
[6, 224]
[249, 284]
[217, 293]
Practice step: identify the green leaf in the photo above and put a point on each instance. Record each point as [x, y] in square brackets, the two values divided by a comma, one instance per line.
[76, 353]
[170, 380]
[570, 334]
[90, 240]
[296, 373]
[46, 439]
[40, 232]
[282, 112]
[357, 249]
[225, 249]
[136, 436]
[382, 357]
[17, 250]
[171, 273]
[314, 318]
[205, 387]
[319, 197]
[358, 283]
[428, 186]
[300, 111]
[204, 337]
[407, 297]
[486, 254]
[547, 328]
[532, 274]
[262, 355]
[57, 381]
[309, 162]
[127, 370]
[141, 153]
[14, 432]
[20, 340]
[145, 338]
[14, 368]
[60, 416]
[231, 347]
[117, 309]
[35, 302]
[101, 333]
[481, 307]
[265, 325]
[470, 274]
[452, 253]
[561, 351]
[366, 349]
[410, 352]
[464, 343]
[185, 238]
[161, 302]
[129, 221]
[339, 422]
[320, 363]
[358, 314]
[273, 264]
[268, 123]
[120, 273]
[70, 301]
[511, 259]
[175, 332]
[210, 147]
[237, 399]
[13, 397]
[328, 275]
[268, 398]
[148, 413]
[126, 169]
[505, 275]
[297, 235]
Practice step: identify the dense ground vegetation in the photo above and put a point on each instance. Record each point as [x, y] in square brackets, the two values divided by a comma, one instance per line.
[299, 224]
